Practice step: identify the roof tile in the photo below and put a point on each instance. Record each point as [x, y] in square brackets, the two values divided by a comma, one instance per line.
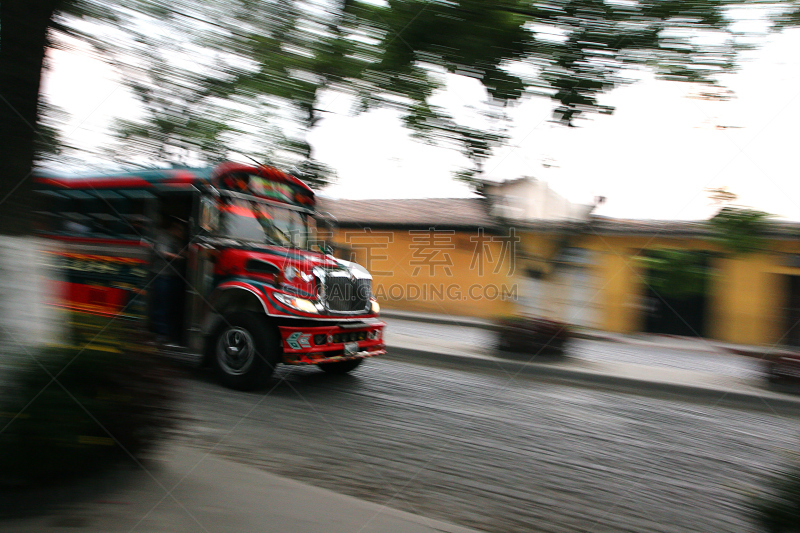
[427, 212]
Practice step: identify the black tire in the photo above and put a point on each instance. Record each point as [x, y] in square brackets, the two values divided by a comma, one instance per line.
[244, 350]
[341, 367]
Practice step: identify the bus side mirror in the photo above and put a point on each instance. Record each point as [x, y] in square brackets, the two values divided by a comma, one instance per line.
[326, 223]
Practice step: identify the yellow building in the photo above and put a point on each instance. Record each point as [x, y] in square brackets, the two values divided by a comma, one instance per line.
[434, 255]
[750, 299]
[452, 256]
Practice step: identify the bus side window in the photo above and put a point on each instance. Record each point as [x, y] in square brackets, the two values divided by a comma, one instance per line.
[136, 219]
[102, 214]
[106, 213]
[75, 220]
[50, 219]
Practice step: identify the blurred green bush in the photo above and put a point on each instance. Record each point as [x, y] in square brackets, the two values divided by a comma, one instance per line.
[533, 336]
[79, 410]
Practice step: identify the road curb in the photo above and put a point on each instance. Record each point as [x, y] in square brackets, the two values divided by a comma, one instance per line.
[440, 319]
[767, 401]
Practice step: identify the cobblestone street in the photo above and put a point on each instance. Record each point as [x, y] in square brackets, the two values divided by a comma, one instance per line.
[497, 454]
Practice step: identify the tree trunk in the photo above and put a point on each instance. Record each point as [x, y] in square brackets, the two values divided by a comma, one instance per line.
[23, 37]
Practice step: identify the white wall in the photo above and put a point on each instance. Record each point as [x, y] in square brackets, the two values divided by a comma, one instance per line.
[26, 287]
[528, 199]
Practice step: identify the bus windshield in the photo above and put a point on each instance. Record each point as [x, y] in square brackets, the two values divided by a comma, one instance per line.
[263, 223]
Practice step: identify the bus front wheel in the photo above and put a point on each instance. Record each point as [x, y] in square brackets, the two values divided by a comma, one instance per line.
[245, 350]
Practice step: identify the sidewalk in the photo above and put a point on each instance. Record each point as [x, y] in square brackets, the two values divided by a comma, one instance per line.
[643, 379]
[641, 339]
[187, 490]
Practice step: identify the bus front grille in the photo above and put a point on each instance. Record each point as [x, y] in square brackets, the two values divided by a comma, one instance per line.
[346, 295]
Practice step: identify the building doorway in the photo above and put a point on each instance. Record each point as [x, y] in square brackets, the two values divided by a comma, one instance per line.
[792, 314]
[676, 287]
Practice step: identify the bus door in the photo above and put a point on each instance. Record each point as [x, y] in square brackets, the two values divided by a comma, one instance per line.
[200, 268]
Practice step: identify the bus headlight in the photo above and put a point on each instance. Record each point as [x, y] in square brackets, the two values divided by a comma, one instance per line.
[301, 304]
[307, 306]
[376, 307]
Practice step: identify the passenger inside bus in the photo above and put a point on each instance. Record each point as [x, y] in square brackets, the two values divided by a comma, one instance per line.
[168, 268]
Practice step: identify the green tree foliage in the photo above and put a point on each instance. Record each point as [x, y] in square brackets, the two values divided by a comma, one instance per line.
[49, 142]
[177, 58]
[739, 230]
[207, 73]
[675, 273]
[395, 54]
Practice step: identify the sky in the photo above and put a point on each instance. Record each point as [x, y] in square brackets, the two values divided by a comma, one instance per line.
[654, 158]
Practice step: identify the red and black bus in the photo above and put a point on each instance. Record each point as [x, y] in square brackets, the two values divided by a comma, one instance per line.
[259, 283]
